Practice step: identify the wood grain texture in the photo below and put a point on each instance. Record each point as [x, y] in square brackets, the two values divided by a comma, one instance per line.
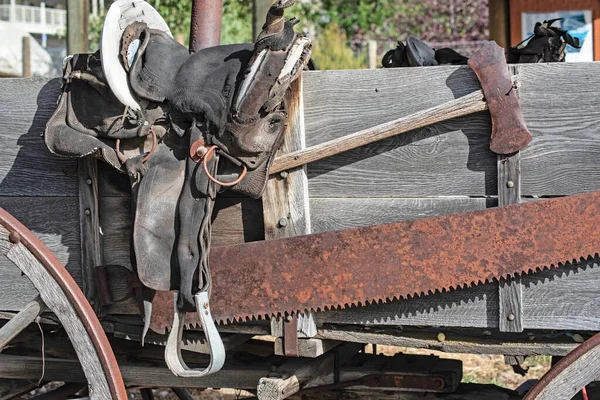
[450, 158]
[462, 106]
[572, 378]
[329, 214]
[56, 300]
[16, 324]
[138, 375]
[510, 309]
[55, 220]
[446, 159]
[559, 103]
[309, 348]
[27, 168]
[473, 307]
[448, 346]
[510, 290]
[285, 200]
[89, 225]
[298, 372]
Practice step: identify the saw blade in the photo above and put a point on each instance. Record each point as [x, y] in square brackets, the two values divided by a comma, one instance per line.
[399, 260]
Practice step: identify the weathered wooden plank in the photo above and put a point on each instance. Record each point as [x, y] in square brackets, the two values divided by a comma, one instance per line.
[510, 301]
[473, 307]
[340, 102]
[55, 220]
[329, 214]
[437, 160]
[449, 345]
[565, 298]
[27, 168]
[296, 373]
[310, 348]
[510, 290]
[133, 375]
[559, 104]
[446, 159]
[21, 321]
[89, 225]
[460, 107]
[285, 200]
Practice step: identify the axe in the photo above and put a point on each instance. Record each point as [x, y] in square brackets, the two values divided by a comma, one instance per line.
[497, 94]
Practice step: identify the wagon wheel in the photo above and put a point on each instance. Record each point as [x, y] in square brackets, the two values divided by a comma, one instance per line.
[571, 374]
[59, 293]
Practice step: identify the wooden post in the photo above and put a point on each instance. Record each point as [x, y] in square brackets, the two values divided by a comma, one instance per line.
[499, 22]
[26, 57]
[77, 26]
[260, 8]
[89, 225]
[510, 295]
[372, 48]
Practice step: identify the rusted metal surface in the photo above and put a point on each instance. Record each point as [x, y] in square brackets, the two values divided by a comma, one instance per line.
[205, 27]
[290, 336]
[581, 362]
[399, 380]
[509, 131]
[76, 297]
[398, 260]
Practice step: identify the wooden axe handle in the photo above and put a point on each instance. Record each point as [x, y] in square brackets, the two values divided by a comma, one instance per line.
[469, 104]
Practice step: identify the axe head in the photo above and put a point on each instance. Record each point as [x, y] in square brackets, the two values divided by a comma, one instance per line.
[509, 132]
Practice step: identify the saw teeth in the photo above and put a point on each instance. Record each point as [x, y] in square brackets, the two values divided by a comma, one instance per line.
[447, 289]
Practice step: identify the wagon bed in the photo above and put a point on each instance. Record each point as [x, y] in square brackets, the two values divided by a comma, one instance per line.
[81, 210]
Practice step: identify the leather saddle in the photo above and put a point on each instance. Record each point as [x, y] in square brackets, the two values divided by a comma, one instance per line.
[194, 125]
[547, 44]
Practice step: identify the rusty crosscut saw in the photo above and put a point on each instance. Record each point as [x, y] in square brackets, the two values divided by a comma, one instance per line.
[406, 259]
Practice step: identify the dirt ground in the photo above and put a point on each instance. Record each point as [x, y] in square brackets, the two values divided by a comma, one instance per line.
[488, 369]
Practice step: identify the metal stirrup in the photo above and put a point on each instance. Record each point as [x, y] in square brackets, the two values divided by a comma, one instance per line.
[216, 350]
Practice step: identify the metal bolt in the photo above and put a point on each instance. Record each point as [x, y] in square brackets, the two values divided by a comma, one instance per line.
[87, 211]
[510, 317]
[14, 237]
[205, 305]
[441, 337]
[289, 318]
[206, 312]
[88, 181]
[283, 174]
[283, 222]
[92, 302]
[510, 184]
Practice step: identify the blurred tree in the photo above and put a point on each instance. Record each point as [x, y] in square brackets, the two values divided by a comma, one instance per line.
[430, 20]
[331, 50]
[237, 20]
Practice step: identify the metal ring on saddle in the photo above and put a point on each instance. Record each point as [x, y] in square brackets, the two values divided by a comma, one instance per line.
[122, 157]
[207, 157]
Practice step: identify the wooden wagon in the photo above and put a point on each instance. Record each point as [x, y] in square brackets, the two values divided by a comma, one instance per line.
[81, 211]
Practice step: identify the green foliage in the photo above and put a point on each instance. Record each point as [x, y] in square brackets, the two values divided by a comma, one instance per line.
[430, 20]
[331, 50]
[237, 21]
